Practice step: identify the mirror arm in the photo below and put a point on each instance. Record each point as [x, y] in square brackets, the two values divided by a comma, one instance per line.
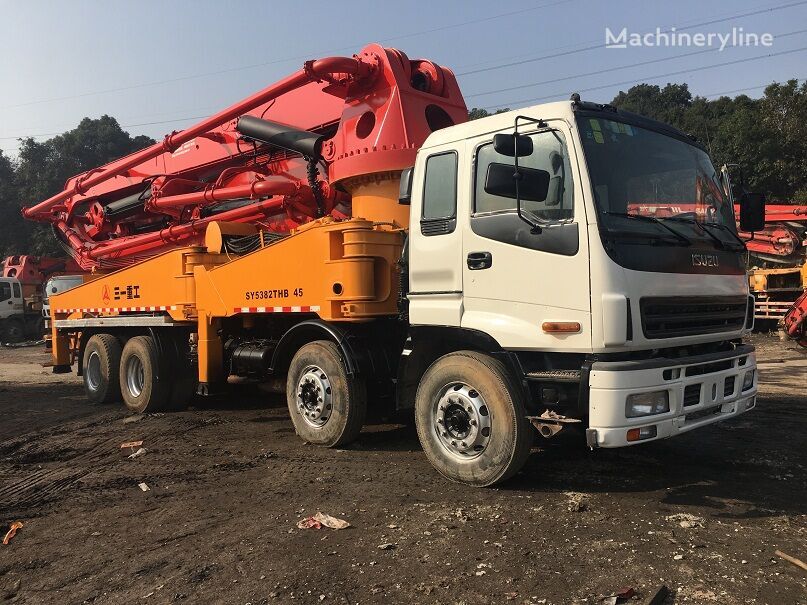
[535, 228]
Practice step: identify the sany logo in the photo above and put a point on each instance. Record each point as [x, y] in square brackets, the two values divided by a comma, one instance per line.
[105, 294]
[705, 260]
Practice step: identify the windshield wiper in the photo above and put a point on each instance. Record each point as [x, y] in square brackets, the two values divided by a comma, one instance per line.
[652, 219]
[729, 231]
[702, 226]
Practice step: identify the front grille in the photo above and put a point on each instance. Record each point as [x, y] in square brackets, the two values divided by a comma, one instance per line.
[728, 387]
[692, 395]
[708, 368]
[668, 317]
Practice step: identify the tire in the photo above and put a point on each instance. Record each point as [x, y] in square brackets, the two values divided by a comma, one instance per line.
[100, 369]
[470, 419]
[326, 406]
[139, 367]
[13, 330]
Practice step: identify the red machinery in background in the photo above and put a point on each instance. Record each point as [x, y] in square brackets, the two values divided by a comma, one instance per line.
[795, 320]
[35, 270]
[326, 140]
[784, 239]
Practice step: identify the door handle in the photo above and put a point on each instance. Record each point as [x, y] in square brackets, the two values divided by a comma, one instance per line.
[479, 260]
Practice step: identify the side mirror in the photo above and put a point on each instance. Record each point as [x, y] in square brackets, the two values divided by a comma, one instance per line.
[405, 191]
[511, 145]
[752, 212]
[533, 183]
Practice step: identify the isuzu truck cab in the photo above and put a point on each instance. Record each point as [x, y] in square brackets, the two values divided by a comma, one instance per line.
[629, 323]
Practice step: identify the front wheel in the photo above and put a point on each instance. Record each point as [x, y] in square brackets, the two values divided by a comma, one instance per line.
[470, 419]
[327, 406]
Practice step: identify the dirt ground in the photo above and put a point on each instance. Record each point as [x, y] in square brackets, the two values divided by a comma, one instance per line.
[228, 482]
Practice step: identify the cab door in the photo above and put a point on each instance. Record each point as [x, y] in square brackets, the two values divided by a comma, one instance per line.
[516, 277]
[435, 238]
[6, 299]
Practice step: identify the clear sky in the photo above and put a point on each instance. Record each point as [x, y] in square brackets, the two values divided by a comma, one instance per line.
[158, 66]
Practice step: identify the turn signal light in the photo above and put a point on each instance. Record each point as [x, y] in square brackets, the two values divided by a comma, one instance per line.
[568, 327]
[645, 432]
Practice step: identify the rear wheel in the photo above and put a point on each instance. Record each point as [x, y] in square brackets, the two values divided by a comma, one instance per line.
[100, 368]
[140, 368]
[13, 330]
[470, 419]
[327, 406]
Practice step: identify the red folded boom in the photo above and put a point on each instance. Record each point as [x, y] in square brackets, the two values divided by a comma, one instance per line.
[366, 114]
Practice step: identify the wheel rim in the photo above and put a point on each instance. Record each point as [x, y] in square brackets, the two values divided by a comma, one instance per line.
[461, 421]
[135, 375]
[314, 397]
[93, 371]
[15, 332]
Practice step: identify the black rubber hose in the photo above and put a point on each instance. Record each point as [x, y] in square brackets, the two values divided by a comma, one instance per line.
[316, 187]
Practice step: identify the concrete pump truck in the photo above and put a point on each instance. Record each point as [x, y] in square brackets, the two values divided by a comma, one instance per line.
[348, 232]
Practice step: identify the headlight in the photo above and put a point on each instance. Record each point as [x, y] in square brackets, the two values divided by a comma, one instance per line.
[646, 404]
[748, 380]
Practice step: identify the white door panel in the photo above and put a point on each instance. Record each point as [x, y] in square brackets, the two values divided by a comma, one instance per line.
[525, 287]
[435, 238]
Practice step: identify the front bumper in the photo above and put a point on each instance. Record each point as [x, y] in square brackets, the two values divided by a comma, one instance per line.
[702, 390]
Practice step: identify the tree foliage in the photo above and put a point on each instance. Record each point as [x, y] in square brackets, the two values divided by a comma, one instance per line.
[41, 170]
[476, 113]
[765, 137]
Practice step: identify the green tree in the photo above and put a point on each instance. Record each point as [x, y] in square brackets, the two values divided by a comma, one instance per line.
[11, 227]
[766, 137]
[476, 113]
[42, 169]
[668, 104]
[784, 120]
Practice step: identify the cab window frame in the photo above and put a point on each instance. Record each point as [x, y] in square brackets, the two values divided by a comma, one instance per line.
[439, 225]
[569, 186]
[559, 236]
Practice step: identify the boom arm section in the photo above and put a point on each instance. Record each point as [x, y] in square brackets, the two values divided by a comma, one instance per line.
[330, 139]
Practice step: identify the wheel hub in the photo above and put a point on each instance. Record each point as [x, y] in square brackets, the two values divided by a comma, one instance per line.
[93, 371]
[314, 398]
[135, 376]
[462, 421]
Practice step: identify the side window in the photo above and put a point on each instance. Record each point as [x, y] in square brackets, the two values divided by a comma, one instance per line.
[548, 155]
[440, 194]
[17, 291]
[5, 290]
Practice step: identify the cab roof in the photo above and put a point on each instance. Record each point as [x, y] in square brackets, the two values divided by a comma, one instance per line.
[561, 109]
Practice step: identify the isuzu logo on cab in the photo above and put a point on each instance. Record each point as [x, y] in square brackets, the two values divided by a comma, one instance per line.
[705, 260]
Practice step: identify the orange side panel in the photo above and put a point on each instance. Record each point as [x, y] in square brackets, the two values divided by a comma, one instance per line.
[341, 271]
[163, 283]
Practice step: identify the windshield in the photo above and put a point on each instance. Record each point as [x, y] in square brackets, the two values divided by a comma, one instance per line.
[665, 183]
